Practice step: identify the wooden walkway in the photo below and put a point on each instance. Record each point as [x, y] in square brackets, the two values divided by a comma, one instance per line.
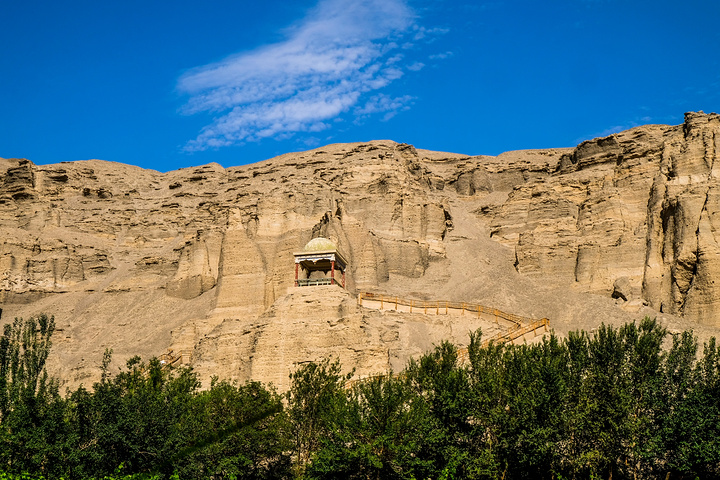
[516, 325]
[174, 359]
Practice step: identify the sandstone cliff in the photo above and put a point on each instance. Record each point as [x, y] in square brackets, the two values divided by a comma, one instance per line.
[200, 259]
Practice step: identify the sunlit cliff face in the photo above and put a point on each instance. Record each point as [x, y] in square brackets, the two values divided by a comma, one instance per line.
[200, 260]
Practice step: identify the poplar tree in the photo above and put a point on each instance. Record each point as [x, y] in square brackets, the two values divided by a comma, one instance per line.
[29, 399]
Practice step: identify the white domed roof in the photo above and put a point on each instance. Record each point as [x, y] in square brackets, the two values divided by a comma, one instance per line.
[319, 244]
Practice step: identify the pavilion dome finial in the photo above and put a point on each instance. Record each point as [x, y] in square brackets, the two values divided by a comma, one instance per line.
[319, 244]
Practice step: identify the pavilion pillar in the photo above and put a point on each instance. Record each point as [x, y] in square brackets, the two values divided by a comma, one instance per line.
[343, 278]
[332, 272]
[297, 265]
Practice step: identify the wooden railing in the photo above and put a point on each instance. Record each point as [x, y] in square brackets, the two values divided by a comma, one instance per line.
[441, 308]
[519, 326]
[513, 333]
[175, 359]
[463, 356]
[312, 283]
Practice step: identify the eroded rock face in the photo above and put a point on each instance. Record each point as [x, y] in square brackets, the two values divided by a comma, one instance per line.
[200, 259]
[324, 319]
[641, 204]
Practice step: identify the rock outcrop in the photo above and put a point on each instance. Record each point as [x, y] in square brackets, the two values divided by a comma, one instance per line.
[641, 204]
[200, 260]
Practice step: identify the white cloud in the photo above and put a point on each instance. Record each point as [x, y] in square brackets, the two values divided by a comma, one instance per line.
[441, 56]
[382, 103]
[422, 32]
[332, 59]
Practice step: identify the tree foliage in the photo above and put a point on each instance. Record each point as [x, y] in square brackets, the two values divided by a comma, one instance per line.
[30, 405]
[623, 403]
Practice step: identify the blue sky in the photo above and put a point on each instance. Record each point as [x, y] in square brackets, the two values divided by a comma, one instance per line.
[166, 85]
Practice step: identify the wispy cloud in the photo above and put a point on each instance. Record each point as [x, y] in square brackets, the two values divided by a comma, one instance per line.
[441, 56]
[422, 32]
[340, 53]
[382, 103]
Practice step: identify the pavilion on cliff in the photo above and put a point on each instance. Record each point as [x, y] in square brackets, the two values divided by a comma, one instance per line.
[318, 263]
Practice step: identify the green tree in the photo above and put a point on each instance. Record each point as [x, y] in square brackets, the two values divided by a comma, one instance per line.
[378, 436]
[31, 409]
[535, 385]
[489, 405]
[439, 380]
[692, 430]
[131, 419]
[234, 432]
[316, 400]
[646, 398]
[24, 349]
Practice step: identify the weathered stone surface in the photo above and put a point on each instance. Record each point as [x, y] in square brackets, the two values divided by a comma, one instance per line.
[637, 204]
[200, 259]
[326, 319]
[622, 289]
